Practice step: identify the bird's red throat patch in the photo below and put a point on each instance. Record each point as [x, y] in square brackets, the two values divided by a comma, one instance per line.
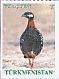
[31, 23]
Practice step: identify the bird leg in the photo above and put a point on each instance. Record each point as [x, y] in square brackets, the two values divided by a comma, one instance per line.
[32, 62]
[29, 61]
[31, 55]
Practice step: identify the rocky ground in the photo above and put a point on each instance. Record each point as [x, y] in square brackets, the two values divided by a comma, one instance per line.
[13, 27]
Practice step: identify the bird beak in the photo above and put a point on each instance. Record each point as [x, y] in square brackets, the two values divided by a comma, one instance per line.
[23, 15]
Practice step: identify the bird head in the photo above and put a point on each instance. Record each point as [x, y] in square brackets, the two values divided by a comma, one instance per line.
[28, 15]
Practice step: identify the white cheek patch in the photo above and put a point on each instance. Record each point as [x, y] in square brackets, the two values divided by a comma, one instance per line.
[30, 15]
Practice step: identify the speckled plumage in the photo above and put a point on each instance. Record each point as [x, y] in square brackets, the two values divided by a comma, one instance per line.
[31, 40]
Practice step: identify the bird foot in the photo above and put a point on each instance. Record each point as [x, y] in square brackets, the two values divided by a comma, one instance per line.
[31, 66]
[28, 66]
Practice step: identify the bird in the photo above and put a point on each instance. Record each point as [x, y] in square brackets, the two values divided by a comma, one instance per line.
[31, 40]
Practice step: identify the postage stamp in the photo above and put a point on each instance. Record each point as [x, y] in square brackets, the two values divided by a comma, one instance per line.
[28, 40]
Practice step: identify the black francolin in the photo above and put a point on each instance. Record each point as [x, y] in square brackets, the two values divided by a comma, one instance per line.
[31, 41]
